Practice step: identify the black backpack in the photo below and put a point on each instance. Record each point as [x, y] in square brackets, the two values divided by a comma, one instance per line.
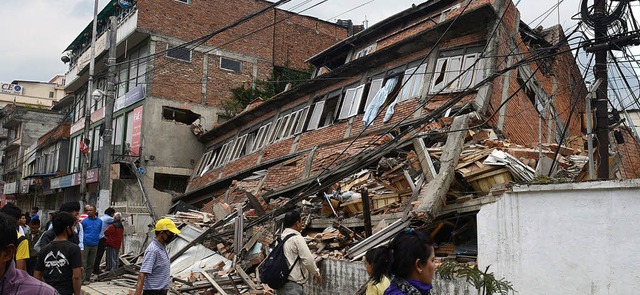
[275, 269]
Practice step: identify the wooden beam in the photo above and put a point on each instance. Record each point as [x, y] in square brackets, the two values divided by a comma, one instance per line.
[246, 278]
[428, 170]
[213, 282]
[366, 208]
[255, 204]
[432, 196]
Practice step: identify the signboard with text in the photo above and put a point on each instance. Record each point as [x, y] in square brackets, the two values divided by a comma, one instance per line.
[10, 88]
[136, 135]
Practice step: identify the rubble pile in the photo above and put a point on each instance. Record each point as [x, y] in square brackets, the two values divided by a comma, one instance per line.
[218, 253]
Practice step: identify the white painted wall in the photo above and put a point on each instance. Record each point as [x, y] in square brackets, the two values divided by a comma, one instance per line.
[579, 238]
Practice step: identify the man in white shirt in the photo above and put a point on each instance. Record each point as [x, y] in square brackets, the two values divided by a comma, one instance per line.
[296, 247]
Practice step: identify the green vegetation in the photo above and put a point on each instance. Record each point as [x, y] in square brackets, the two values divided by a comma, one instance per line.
[265, 89]
[485, 282]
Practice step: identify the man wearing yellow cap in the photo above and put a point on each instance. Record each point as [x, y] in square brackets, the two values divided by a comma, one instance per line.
[154, 277]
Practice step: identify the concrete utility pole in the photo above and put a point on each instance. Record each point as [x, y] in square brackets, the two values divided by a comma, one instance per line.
[600, 72]
[104, 199]
[87, 103]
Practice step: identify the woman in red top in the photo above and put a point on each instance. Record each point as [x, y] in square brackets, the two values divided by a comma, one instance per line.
[114, 233]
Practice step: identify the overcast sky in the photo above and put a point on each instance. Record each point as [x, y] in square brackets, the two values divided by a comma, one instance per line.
[35, 32]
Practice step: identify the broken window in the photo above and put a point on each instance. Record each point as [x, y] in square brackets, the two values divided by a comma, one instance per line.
[179, 115]
[457, 70]
[374, 87]
[324, 112]
[259, 140]
[445, 13]
[180, 53]
[202, 166]
[532, 90]
[351, 102]
[230, 65]
[289, 124]
[170, 182]
[238, 148]
[365, 51]
[412, 82]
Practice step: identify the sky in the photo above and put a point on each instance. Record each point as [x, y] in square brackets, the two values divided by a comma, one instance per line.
[35, 32]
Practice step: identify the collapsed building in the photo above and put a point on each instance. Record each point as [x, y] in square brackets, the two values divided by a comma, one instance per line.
[418, 120]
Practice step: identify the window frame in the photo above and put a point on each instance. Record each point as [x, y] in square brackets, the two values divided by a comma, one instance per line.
[231, 70]
[172, 47]
[445, 69]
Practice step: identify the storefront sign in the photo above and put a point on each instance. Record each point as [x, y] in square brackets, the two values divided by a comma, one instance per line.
[10, 188]
[11, 88]
[62, 182]
[136, 134]
[92, 176]
[79, 125]
[134, 95]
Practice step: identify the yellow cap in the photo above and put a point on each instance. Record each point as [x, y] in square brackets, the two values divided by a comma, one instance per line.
[167, 224]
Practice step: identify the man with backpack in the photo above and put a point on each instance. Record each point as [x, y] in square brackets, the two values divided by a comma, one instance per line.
[299, 258]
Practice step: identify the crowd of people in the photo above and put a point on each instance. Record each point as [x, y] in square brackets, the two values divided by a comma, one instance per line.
[61, 256]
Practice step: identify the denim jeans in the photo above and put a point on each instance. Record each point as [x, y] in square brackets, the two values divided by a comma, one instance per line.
[290, 288]
[112, 258]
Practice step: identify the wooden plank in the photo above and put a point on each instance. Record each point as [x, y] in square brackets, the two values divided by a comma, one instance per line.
[366, 208]
[255, 204]
[428, 170]
[213, 282]
[245, 277]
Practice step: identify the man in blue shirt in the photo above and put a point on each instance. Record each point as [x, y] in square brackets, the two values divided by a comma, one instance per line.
[107, 219]
[34, 214]
[92, 226]
[155, 272]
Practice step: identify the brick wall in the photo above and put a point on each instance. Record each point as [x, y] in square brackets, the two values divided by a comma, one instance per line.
[293, 40]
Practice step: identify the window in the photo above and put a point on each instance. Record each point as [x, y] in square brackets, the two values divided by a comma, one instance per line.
[289, 124]
[132, 71]
[456, 72]
[238, 148]
[128, 132]
[13, 132]
[445, 13]
[412, 82]
[170, 182]
[204, 161]
[50, 94]
[374, 87]
[118, 132]
[351, 102]
[261, 137]
[79, 108]
[532, 90]
[75, 155]
[223, 154]
[184, 1]
[364, 52]
[230, 65]
[96, 154]
[324, 112]
[180, 53]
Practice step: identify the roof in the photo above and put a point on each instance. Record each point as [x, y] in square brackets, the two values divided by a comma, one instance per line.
[375, 29]
[106, 12]
[61, 132]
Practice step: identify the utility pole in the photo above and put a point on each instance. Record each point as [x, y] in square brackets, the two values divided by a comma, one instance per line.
[87, 104]
[600, 71]
[589, 115]
[104, 199]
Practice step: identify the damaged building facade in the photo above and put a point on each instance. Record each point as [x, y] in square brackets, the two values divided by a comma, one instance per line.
[397, 91]
[420, 119]
[176, 62]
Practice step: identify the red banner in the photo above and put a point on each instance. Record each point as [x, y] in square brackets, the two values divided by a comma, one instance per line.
[136, 134]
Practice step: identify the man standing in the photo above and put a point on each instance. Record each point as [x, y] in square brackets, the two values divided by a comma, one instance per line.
[155, 275]
[106, 219]
[293, 248]
[92, 226]
[34, 213]
[78, 232]
[12, 280]
[22, 250]
[60, 262]
[33, 237]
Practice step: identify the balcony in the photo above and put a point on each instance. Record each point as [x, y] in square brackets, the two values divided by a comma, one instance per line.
[127, 24]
